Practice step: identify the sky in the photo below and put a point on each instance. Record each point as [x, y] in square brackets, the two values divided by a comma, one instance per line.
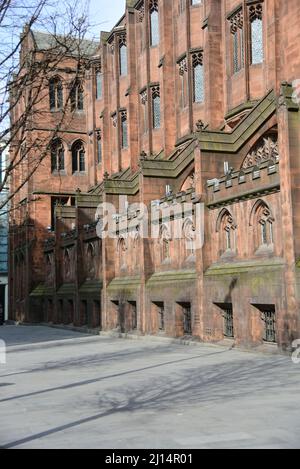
[104, 14]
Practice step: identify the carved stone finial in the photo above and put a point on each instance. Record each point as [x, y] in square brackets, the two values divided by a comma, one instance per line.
[200, 125]
[143, 155]
[105, 176]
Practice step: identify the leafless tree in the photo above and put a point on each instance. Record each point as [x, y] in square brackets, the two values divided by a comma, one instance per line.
[25, 73]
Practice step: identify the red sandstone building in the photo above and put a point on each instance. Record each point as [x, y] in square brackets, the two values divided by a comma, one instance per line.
[195, 97]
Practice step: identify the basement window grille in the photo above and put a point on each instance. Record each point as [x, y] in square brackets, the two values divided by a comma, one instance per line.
[269, 319]
[228, 322]
[187, 319]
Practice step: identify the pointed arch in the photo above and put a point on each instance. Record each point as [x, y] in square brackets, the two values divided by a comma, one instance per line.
[77, 96]
[55, 93]
[78, 156]
[260, 205]
[189, 232]
[188, 182]
[226, 228]
[57, 155]
[262, 220]
[223, 214]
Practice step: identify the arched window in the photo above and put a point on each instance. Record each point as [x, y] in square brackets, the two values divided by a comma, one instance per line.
[77, 97]
[262, 220]
[154, 23]
[57, 156]
[226, 228]
[122, 249]
[55, 94]
[198, 77]
[78, 157]
[165, 239]
[189, 237]
[256, 33]
[156, 116]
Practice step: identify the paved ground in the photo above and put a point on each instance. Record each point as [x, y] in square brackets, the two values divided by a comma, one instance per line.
[67, 390]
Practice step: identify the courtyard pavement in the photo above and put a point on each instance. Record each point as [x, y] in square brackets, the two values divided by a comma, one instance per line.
[62, 389]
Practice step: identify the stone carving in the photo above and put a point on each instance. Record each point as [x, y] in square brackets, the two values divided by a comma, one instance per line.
[236, 22]
[264, 151]
[141, 13]
[183, 67]
[255, 12]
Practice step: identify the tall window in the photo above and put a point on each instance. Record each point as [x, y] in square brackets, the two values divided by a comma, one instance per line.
[226, 227]
[183, 82]
[124, 130]
[57, 156]
[144, 102]
[78, 157]
[123, 55]
[237, 32]
[198, 77]
[156, 107]
[256, 33]
[77, 98]
[55, 94]
[154, 23]
[99, 84]
[99, 148]
[264, 225]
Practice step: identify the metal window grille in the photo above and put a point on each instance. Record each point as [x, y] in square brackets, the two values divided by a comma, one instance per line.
[269, 319]
[187, 320]
[228, 322]
[161, 318]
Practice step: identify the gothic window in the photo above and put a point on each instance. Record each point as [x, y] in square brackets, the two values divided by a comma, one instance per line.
[78, 157]
[123, 55]
[183, 82]
[263, 224]
[124, 130]
[189, 237]
[198, 77]
[237, 32]
[156, 107]
[144, 102]
[55, 94]
[99, 147]
[77, 98]
[165, 239]
[99, 84]
[196, 2]
[122, 248]
[154, 23]
[57, 156]
[256, 33]
[226, 228]
[90, 260]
